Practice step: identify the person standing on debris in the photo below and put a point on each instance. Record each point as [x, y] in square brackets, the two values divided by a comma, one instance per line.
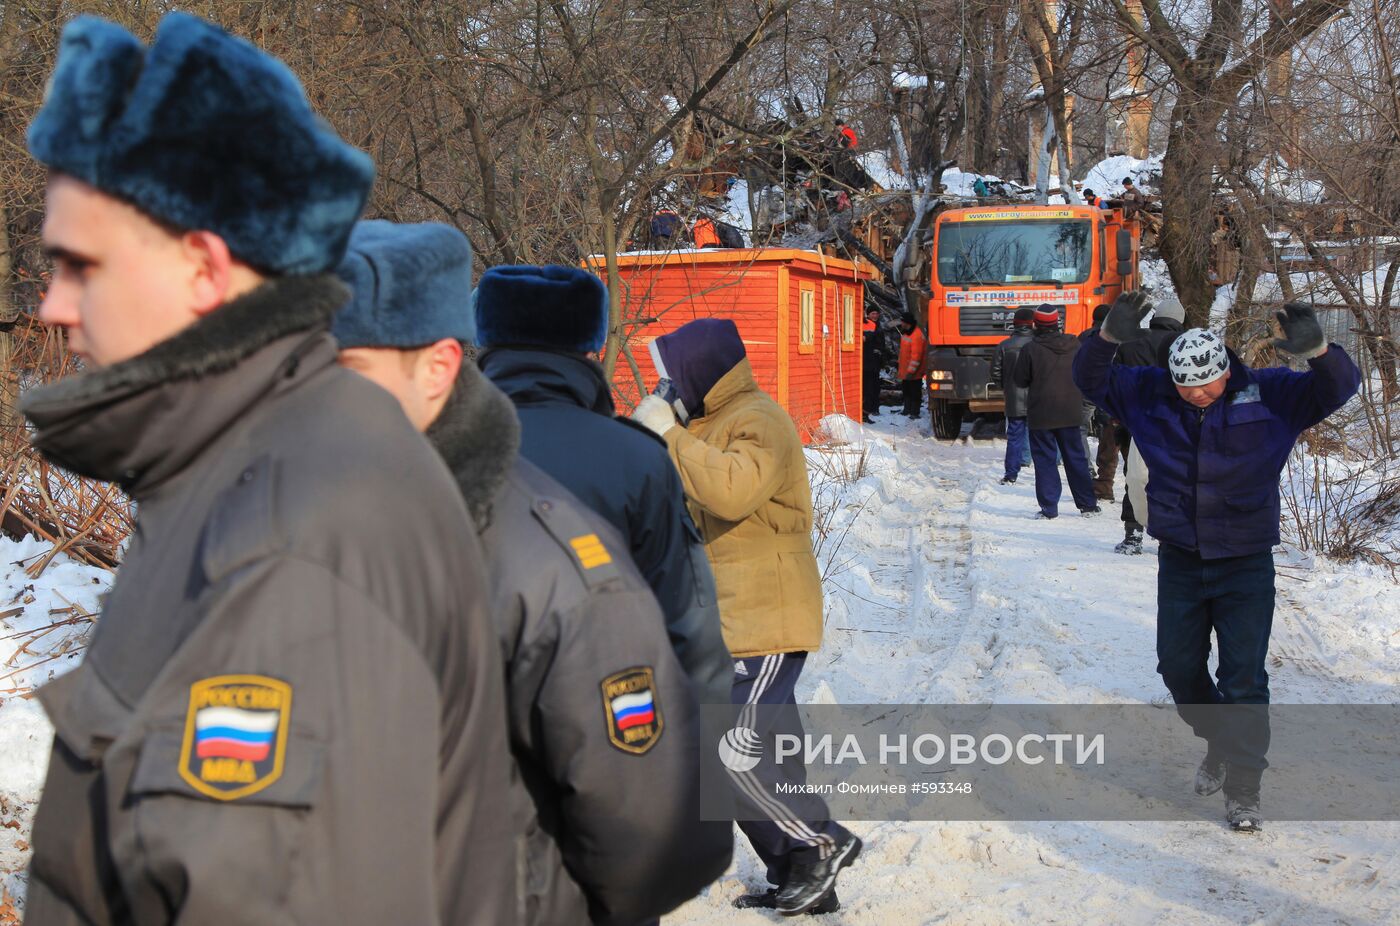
[1004, 360]
[913, 364]
[1216, 435]
[667, 229]
[872, 359]
[1148, 351]
[847, 135]
[703, 233]
[745, 477]
[607, 810]
[1053, 411]
[292, 708]
[536, 327]
[1133, 200]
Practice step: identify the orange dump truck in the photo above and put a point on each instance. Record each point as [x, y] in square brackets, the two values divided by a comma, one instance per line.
[989, 261]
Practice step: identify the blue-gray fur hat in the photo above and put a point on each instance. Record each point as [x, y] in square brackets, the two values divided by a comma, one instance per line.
[559, 308]
[204, 131]
[412, 286]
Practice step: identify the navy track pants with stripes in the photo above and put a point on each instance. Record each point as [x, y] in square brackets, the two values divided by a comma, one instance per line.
[783, 828]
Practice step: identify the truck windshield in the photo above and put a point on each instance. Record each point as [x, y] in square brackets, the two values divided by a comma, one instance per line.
[1028, 251]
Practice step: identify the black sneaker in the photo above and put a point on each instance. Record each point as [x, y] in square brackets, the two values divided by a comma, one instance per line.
[1242, 812]
[809, 883]
[1042, 516]
[1210, 777]
[1008, 480]
[768, 900]
[1093, 512]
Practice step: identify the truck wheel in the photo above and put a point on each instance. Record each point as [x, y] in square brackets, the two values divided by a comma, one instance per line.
[947, 418]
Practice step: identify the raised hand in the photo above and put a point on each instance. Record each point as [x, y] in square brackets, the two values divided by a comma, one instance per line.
[1124, 320]
[1302, 335]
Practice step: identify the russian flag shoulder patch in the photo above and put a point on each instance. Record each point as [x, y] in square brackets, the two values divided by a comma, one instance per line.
[632, 709]
[235, 735]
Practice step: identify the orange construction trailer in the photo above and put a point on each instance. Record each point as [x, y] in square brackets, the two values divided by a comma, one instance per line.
[799, 313]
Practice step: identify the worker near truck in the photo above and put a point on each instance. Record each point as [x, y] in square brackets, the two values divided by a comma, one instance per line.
[1152, 350]
[1215, 435]
[605, 811]
[1053, 412]
[913, 364]
[1004, 360]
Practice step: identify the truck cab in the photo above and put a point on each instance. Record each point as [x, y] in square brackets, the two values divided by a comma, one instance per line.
[989, 261]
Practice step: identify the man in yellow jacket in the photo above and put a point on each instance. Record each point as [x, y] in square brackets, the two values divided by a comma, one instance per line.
[745, 480]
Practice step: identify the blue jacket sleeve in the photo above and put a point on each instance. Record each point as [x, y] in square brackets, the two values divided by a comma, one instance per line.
[1109, 386]
[1304, 399]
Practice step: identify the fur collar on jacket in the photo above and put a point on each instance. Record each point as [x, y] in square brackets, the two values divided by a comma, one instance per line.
[478, 436]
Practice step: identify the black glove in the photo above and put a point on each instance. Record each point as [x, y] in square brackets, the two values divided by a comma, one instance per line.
[1124, 321]
[1302, 335]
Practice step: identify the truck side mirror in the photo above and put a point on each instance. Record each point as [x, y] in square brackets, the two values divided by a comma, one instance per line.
[1124, 250]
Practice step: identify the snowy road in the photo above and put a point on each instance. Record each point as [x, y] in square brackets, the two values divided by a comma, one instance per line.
[943, 590]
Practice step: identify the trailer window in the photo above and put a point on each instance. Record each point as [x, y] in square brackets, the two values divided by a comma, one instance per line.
[993, 253]
[848, 321]
[807, 320]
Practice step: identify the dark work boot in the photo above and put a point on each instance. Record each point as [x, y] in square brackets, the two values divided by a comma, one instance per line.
[1210, 777]
[809, 882]
[1242, 799]
[768, 900]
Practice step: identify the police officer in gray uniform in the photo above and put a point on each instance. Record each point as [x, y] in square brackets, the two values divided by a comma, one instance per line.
[292, 708]
[604, 721]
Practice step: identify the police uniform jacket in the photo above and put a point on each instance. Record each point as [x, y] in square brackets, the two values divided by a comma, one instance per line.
[604, 724]
[620, 470]
[292, 708]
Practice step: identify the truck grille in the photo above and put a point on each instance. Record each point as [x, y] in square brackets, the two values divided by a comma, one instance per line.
[975, 320]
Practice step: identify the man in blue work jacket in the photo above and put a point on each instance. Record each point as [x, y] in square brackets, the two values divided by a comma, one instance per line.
[1215, 435]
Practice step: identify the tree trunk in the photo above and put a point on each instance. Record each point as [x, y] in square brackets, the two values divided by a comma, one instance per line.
[1187, 209]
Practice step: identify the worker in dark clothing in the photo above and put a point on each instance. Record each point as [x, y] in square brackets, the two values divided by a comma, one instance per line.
[1053, 412]
[536, 326]
[1093, 416]
[667, 229]
[872, 359]
[291, 709]
[607, 810]
[1151, 350]
[1133, 198]
[1215, 435]
[1004, 360]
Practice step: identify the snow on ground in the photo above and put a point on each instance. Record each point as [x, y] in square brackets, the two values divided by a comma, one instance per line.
[942, 589]
[42, 627]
